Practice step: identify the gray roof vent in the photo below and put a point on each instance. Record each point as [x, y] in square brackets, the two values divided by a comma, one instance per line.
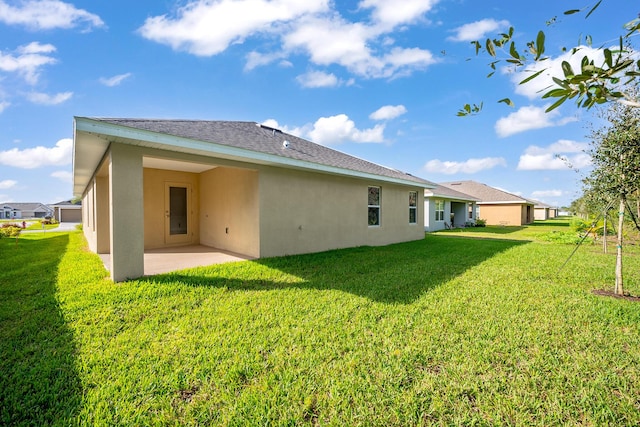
[285, 144]
[269, 128]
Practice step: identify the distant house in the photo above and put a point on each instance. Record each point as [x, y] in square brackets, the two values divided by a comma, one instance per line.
[9, 212]
[67, 211]
[445, 207]
[236, 186]
[27, 210]
[496, 206]
[542, 211]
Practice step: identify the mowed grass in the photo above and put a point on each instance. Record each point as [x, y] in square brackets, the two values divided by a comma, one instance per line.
[440, 331]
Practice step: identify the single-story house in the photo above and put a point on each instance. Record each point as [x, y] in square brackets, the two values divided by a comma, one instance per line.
[9, 212]
[445, 207]
[237, 186]
[543, 211]
[67, 211]
[27, 210]
[495, 206]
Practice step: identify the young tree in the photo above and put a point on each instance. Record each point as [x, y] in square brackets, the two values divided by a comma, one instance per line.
[592, 84]
[615, 175]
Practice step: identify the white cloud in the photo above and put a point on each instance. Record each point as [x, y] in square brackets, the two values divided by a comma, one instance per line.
[390, 13]
[314, 28]
[32, 158]
[337, 129]
[547, 193]
[208, 27]
[7, 183]
[115, 80]
[388, 112]
[477, 30]
[64, 176]
[469, 166]
[561, 155]
[47, 15]
[318, 79]
[332, 131]
[4, 105]
[27, 61]
[529, 118]
[46, 99]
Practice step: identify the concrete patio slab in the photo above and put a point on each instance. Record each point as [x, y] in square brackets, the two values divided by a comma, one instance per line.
[165, 260]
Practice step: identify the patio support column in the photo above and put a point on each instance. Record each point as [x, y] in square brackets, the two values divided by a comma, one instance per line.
[102, 207]
[126, 212]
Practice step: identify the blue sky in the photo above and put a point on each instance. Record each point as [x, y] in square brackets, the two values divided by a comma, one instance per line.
[378, 79]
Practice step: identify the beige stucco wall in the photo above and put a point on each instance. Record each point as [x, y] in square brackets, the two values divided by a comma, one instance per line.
[302, 212]
[88, 215]
[504, 214]
[155, 181]
[229, 210]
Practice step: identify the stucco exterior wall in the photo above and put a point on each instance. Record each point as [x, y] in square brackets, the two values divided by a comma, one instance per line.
[155, 181]
[229, 210]
[541, 214]
[503, 214]
[430, 223]
[88, 216]
[303, 212]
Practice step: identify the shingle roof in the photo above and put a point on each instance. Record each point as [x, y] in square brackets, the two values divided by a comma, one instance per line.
[26, 206]
[448, 193]
[484, 193]
[262, 139]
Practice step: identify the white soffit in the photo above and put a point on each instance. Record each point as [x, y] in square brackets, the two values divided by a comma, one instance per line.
[175, 165]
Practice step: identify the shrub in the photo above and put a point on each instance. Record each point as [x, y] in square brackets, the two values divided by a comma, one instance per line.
[481, 222]
[10, 230]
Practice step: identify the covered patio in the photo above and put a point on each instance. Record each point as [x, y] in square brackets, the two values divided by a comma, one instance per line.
[165, 260]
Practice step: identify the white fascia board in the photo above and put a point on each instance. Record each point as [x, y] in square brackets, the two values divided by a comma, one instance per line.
[513, 202]
[170, 143]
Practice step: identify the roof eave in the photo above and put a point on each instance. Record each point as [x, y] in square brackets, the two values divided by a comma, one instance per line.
[140, 137]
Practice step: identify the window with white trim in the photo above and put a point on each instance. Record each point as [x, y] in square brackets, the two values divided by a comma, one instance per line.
[439, 210]
[413, 207]
[374, 206]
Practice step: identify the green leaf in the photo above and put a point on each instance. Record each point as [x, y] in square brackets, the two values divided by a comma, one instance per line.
[513, 51]
[572, 11]
[477, 46]
[539, 44]
[491, 74]
[556, 104]
[490, 48]
[533, 76]
[567, 70]
[507, 101]
[608, 59]
[593, 9]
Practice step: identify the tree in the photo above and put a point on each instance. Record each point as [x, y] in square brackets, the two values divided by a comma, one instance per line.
[615, 175]
[611, 79]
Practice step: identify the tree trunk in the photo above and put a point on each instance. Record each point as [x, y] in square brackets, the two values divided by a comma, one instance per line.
[604, 233]
[619, 289]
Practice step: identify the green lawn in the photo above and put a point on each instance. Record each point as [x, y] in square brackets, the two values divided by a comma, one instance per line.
[442, 331]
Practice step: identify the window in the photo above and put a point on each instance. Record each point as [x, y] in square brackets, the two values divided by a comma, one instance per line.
[374, 206]
[470, 209]
[413, 207]
[439, 210]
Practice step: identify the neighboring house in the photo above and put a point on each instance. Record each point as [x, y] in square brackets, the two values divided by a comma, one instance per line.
[8, 212]
[542, 211]
[28, 210]
[236, 186]
[441, 202]
[67, 211]
[495, 206]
